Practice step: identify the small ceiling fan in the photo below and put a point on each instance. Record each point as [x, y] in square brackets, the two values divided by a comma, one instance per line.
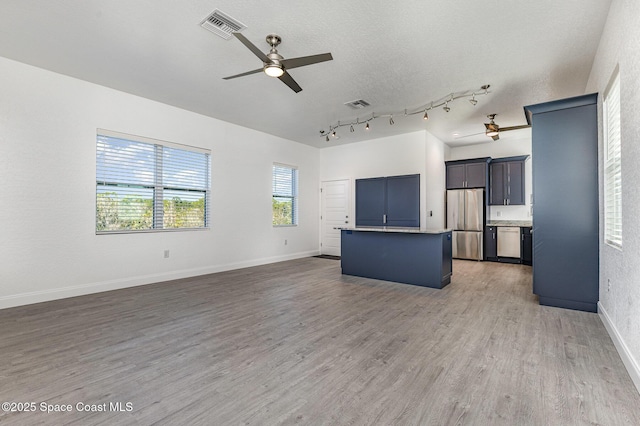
[274, 65]
[493, 130]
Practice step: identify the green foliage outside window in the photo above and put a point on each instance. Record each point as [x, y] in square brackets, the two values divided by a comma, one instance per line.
[282, 211]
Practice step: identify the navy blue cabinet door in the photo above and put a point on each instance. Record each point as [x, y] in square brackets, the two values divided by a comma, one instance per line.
[496, 171]
[403, 201]
[490, 243]
[370, 201]
[476, 174]
[456, 176]
[527, 246]
[515, 184]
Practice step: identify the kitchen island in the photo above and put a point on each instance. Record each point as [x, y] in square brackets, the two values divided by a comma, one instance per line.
[404, 255]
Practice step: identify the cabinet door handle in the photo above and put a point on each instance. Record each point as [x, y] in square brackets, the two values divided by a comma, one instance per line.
[384, 218]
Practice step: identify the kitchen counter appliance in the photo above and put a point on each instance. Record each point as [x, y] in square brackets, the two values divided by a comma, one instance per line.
[509, 241]
[465, 216]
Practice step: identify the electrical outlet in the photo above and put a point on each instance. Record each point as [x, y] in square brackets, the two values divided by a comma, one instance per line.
[498, 213]
[608, 284]
[285, 242]
[166, 254]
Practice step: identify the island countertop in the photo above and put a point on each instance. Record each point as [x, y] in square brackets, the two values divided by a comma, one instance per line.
[392, 229]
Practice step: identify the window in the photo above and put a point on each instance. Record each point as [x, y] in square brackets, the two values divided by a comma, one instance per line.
[612, 164]
[148, 185]
[285, 195]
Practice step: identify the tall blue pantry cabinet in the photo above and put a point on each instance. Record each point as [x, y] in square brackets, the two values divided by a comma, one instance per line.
[565, 202]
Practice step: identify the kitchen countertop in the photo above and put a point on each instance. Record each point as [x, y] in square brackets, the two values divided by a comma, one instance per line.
[522, 223]
[404, 230]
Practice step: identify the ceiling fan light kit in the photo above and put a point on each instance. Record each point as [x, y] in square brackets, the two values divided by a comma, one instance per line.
[442, 102]
[273, 70]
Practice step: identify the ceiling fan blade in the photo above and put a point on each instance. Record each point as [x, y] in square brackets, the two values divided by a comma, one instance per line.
[506, 129]
[289, 81]
[306, 60]
[496, 137]
[243, 74]
[468, 136]
[252, 47]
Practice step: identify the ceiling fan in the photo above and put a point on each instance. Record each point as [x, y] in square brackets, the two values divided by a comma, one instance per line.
[274, 65]
[493, 130]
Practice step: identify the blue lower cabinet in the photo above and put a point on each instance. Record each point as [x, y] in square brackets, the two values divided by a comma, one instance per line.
[417, 258]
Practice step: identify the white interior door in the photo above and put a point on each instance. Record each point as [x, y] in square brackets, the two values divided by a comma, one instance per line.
[335, 213]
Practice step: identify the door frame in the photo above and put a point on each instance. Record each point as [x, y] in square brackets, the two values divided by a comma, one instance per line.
[350, 206]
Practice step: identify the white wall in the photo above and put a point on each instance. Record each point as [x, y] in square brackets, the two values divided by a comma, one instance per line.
[619, 306]
[410, 153]
[504, 147]
[48, 244]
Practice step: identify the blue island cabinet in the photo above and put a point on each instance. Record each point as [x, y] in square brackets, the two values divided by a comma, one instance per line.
[406, 256]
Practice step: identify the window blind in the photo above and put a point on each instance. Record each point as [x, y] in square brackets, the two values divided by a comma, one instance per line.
[613, 165]
[147, 185]
[285, 195]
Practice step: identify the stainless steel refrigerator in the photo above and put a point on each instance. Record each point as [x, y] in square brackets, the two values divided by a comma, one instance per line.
[465, 216]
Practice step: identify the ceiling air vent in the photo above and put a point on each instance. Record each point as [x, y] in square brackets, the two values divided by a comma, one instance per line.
[359, 104]
[222, 24]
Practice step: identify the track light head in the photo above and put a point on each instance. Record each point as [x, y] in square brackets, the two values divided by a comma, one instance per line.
[327, 139]
[333, 134]
[425, 116]
[391, 122]
[351, 129]
[473, 101]
[366, 127]
[446, 107]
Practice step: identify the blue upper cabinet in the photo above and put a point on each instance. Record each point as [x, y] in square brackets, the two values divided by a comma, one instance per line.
[388, 201]
[506, 176]
[467, 173]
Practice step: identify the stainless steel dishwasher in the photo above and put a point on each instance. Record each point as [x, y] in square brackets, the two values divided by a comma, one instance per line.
[509, 241]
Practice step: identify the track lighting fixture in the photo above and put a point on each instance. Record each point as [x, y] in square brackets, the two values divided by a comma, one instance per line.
[424, 109]
[327, 138]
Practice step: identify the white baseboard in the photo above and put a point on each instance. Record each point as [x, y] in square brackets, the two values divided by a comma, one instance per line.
[90, 288]
[627, 357]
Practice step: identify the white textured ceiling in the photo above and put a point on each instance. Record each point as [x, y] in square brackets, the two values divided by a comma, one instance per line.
[395, 55]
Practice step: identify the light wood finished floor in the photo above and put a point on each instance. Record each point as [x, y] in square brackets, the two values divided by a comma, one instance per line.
[298, 343]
